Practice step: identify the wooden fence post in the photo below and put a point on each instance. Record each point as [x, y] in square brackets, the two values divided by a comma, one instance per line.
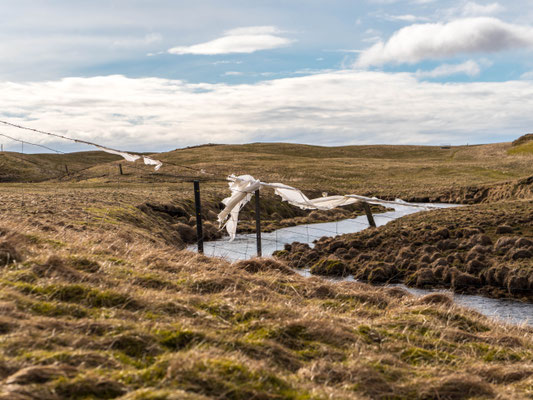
[258, 224]
[66, 169]
[369, 215]
[199, 229]
[120, 169]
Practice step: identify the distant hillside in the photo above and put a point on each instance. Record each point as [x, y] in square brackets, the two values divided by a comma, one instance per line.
[18, 167]
[523, 145]
[410, 172]
[523, 139]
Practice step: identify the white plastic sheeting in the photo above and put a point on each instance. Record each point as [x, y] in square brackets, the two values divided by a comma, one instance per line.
[297, 198]
[242, 188]
[131, 157]
[127, 156]
[151, 161]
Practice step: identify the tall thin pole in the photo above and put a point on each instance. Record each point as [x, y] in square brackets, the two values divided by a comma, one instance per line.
[258, 223]
[199, 229]
[120, 169]
[369, 215]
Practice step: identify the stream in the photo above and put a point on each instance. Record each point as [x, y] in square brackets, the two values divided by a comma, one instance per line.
[244, 247]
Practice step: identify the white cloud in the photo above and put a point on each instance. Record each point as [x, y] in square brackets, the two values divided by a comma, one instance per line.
[527, 76]
[343, 107]
[434, 41]
[148, 39]
[470, 68]
[254, 30]
[232, 73]
[239, 40]
[474, 9]
[222, 62]
[405, 18]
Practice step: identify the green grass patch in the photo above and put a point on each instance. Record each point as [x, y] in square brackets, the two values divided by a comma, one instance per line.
[214, 376]
[79, 294]
[526, 148]
[418, 356]
[50, 309]
[177, 339]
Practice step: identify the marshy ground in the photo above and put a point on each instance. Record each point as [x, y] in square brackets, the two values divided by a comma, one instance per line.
[98, 299]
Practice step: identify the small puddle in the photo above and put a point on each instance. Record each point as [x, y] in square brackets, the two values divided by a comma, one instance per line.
[244, 247]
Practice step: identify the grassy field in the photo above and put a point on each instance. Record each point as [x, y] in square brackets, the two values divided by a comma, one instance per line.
[388, 171]
[98, 299]
[110, 314]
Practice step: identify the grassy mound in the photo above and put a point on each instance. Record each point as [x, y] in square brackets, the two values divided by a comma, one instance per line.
[484, 249]
[528, 137]
[523, 149]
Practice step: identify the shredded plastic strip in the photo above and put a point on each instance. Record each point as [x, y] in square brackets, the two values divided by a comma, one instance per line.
[127, 156]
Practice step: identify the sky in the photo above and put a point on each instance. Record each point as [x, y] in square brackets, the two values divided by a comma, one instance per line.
[156, 75]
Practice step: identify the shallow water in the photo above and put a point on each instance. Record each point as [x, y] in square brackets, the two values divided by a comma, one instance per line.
[505, 310]
[244, 247]
[511, 311]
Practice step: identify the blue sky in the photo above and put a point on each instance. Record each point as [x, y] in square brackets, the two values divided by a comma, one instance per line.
[157, 75]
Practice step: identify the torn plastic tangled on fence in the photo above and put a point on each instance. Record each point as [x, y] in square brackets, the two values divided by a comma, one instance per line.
[151, 161]
[127, 156]
[132, 157]
[242, 188]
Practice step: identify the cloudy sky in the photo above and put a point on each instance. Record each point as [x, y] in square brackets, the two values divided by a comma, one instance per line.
[155, 75]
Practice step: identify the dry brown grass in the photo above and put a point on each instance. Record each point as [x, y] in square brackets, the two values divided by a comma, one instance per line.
[98, 301]
[96, 317]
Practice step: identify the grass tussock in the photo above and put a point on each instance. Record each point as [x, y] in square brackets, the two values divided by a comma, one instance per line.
[484, 249]
[457, 387]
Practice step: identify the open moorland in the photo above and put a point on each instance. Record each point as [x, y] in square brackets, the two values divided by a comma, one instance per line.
[99, 300]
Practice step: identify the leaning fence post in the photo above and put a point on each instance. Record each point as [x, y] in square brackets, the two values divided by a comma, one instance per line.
[66, 169]
[258, 223]
[199, 230]
[120, 169]
[369, 215]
